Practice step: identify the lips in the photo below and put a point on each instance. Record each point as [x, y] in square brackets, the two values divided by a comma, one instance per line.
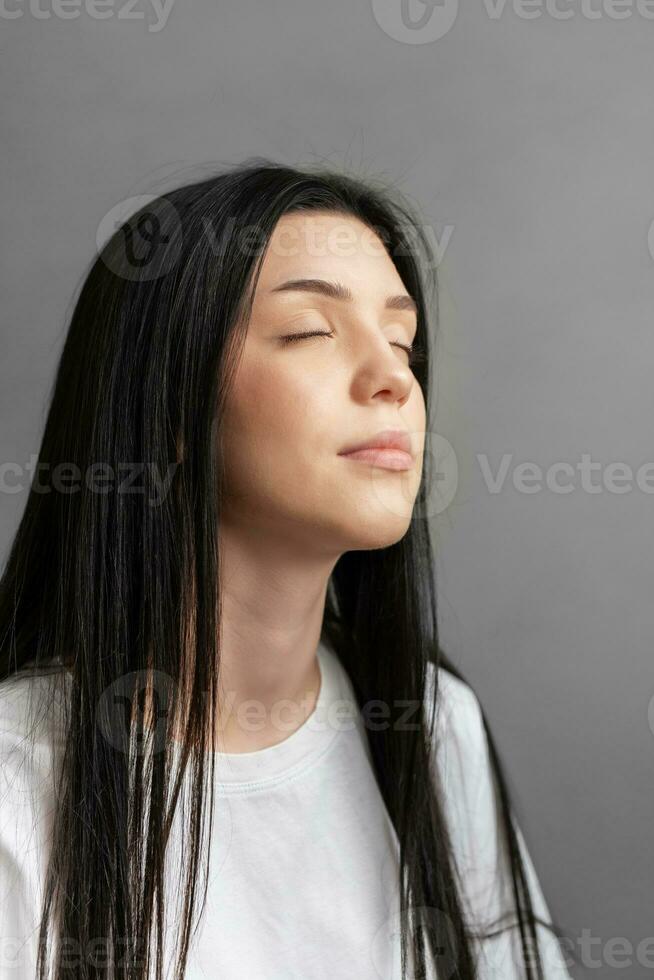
[386, 439]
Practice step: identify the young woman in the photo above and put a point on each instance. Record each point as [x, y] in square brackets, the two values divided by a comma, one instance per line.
[231, 744]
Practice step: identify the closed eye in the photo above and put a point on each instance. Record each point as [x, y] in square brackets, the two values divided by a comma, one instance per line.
[415, 352]
[302, 336]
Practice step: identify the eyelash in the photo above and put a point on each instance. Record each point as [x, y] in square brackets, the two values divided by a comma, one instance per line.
[415, 352]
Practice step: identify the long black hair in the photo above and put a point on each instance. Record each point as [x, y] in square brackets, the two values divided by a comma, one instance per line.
[110, 590]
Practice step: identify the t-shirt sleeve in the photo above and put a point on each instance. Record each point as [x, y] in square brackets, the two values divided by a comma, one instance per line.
[26, 817]
[472, 809]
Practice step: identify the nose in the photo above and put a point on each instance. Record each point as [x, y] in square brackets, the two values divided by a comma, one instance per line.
[380, 371]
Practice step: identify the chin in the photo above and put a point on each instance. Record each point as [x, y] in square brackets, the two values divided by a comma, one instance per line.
[370, 535]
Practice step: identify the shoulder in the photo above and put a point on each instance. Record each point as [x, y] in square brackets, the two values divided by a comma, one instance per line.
[31, 710]
[457, 698]
[27, 806]
[467, 784]
[463, 772]
[30, 733]
[31, 740]
[459, 736]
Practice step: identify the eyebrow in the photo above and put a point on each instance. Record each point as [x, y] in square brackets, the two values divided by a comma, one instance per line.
[337, 291]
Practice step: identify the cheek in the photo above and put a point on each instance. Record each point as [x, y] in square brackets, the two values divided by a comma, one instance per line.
[268, 403]
[271, 427]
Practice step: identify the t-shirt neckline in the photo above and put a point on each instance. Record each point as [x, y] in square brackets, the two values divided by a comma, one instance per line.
[245, 770]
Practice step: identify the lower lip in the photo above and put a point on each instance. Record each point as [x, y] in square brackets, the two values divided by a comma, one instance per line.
[388, 459]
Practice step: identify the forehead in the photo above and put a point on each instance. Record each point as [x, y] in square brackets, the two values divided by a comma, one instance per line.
[322, 244]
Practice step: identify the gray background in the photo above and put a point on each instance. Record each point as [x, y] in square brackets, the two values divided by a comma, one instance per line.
[532, 140]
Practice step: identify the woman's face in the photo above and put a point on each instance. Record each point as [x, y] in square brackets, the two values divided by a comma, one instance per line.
[296, 405]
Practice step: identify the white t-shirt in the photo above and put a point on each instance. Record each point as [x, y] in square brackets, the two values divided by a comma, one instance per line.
[304, 857]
